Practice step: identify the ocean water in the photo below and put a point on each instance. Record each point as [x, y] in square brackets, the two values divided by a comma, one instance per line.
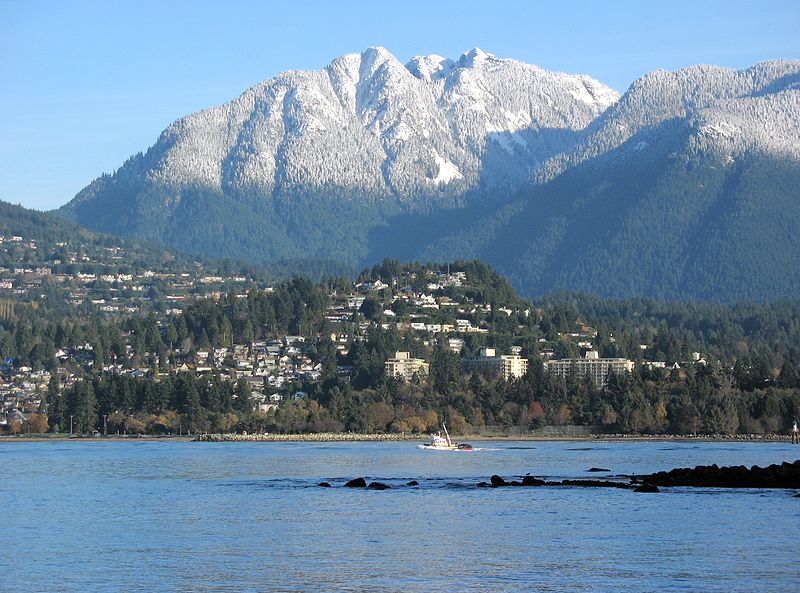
[105, 516]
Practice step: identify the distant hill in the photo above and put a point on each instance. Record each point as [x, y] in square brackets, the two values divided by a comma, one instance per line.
[684, 187]
[50, 232]
[42, 226]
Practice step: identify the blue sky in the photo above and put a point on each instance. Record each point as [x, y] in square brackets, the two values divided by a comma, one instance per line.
[86, 84]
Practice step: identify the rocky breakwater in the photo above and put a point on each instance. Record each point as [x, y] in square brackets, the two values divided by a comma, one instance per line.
[312, 438]
[784, 475]
[499, 482]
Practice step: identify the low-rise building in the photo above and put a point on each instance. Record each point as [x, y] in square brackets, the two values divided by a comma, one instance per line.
[402, 366]
[591, 366]
[508, 366]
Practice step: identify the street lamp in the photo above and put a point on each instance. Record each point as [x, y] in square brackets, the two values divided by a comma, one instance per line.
[70, 424]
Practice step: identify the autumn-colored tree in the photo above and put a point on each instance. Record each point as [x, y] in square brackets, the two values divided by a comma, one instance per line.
[258, 420]
[14, 426]
[228, 421]
[400, 426]
[292, 417]
[536, 414]
[115, 422]
[134, 426]
[37, 423]
[381, 414]
[660, 414]
[416, 424]
[562, 415]
[609, 417]
[157, 424]
[431, 420]
[456, 423]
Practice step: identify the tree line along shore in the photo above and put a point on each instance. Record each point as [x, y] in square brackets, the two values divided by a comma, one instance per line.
[397, 437]
[210, 368]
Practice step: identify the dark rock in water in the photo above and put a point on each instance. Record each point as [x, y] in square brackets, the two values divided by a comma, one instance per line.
[598, 469]
[516, 483]
[356, 483]
[412, 483]
[324, 485]
[594, 484]
[532, 481]
[646, 488]
[378, 486]
[483, 484]
[785, 475]
[497, 481]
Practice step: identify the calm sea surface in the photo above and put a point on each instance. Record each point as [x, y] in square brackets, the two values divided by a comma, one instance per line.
[202, 517]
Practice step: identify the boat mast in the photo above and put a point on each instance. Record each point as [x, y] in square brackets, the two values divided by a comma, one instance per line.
[446, 434]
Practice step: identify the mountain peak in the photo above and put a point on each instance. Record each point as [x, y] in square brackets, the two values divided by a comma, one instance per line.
[378, 53]
[374, 57]
[476, 57]
[434, 66]
[430, 67]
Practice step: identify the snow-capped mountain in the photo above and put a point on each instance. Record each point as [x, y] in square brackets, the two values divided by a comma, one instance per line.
[370, 125]
[369, 158]
[686, 187]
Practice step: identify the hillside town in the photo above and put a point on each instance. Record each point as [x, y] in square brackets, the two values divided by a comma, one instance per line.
[103, 280]
[427, 308]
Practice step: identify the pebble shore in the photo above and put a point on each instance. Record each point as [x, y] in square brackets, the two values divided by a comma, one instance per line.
[323, 437]
[357, 437]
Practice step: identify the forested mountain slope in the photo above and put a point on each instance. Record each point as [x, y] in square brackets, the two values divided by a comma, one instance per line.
[687, 188]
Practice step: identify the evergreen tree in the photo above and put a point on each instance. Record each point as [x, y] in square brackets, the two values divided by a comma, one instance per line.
[82, 406]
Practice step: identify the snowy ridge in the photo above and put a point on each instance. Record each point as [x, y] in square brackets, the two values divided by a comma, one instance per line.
[733, 110]
[368, 125]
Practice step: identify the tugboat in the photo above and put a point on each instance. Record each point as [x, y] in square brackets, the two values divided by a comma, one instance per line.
[443, 443]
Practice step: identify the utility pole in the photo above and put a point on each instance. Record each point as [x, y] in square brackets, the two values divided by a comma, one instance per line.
[70, 424]
[105, 426]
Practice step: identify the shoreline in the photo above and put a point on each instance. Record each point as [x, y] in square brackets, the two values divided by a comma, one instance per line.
[60, 438]
[392, 437]
[352, 437]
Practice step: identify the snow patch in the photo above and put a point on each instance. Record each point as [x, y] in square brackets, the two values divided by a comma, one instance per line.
[506, 140]
[516, 121]
[580, 93]
[720, 130]
[447, 170]
[400, 132]
[506, 132]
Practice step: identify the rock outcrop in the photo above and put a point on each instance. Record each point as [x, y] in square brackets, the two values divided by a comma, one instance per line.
[785, 475]
[356, 483]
